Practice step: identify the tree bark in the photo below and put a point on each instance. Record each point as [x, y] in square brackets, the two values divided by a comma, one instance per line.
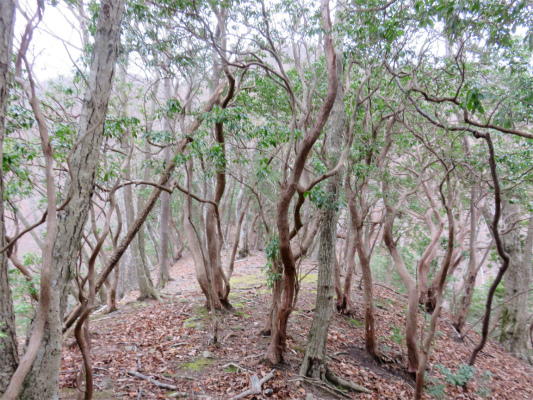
[8, 340]
[314, 363]
[363, 251]
[164, 274]
[517, 280]
[42, 381]
[471, 273]
[146, 285]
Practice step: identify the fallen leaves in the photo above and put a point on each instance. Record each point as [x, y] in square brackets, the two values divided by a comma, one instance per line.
[153, 336]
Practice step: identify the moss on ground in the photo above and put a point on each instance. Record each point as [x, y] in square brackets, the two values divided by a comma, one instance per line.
[309, 278]
[197, 365]
[357, 323]
[239, 281]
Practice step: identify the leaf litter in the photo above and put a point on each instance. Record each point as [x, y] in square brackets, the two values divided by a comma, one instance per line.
[171, 343]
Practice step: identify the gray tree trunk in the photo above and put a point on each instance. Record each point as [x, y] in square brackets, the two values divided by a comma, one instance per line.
[244, 243]
[471, 273]
[43, 380]
[164, 275]
[517, 283]
[146, 285]
[8, 340]
[314, 362]
[127, 272]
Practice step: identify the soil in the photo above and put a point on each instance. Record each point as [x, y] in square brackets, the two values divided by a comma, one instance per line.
[172, 342]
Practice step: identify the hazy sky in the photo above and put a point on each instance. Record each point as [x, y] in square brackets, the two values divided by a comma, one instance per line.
[46, 51]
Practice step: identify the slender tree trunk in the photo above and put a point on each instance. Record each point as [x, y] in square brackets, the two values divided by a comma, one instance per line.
[8, 340]
[42, 381]
[177, 244]
[243, 233]
[390, 270]
[363, 253]
[151, 235]
[146, 285]
[199, 255]
[344, 304]
[439, 293]
[471, 273]
[412, 293]
[164, 274]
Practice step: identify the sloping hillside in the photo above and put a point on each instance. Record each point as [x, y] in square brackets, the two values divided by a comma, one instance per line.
[171, 343]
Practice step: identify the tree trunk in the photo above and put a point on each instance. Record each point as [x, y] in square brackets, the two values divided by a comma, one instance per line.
[314, 364]
[289, 187]
[198, 253]
[412, 293]
[363, 253]
[42, 381]
[8, 339]
[136, 262]
[164, 274]
[244, 244]
[177, 244]
[517, 280]
[146, 285]
[471, 273]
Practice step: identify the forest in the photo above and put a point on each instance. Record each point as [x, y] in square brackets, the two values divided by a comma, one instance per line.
[252, 199]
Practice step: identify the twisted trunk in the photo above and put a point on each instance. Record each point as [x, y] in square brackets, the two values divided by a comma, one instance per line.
[289, 187]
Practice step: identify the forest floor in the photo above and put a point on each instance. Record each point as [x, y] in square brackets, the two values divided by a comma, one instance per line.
[171, 343]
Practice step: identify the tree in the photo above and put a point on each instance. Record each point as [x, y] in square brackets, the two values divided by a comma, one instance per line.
[8, 340]
[43, 376]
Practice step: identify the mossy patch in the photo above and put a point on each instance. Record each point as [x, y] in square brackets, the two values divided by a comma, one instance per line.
[230, 368]
[242, 314]
[197, 365]
[240, 281]
[200, 311]
[309, 278]
[297, 348]
[357, 323]
[194, 323]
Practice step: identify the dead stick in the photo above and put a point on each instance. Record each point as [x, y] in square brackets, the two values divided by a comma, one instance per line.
[157, 383]
[256, 388]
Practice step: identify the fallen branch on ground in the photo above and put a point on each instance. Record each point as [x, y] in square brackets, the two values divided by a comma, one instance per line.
[153, 381]
[256, 385]
[236, 366]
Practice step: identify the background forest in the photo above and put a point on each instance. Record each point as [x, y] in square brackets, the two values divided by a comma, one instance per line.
[364, 165]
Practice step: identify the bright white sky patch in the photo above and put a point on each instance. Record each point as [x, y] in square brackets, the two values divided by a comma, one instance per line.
[47, 49]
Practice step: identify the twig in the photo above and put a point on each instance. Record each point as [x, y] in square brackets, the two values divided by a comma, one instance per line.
[256, 385]
[153, 381]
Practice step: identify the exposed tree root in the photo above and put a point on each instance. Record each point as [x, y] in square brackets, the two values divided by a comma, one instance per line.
[342, 382]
